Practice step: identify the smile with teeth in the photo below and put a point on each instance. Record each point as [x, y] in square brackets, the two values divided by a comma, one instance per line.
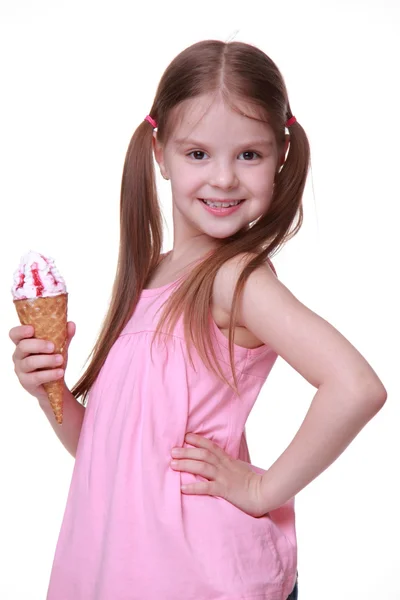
[220, 204]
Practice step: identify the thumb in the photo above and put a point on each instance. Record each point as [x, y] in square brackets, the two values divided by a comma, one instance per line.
[71, 329]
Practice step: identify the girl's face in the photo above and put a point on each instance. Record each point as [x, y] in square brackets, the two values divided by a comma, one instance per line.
[222, 167]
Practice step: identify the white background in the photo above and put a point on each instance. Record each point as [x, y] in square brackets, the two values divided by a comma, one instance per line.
[77, 78]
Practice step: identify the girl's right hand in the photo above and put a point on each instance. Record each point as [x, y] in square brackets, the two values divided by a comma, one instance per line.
[35, 363]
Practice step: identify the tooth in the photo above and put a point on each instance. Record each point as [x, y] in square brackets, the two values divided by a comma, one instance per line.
[221, 204]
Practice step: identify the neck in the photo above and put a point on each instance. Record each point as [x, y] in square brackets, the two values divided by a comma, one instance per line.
[191, 249]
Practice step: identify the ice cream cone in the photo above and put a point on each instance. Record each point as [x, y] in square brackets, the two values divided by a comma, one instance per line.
[48, 316]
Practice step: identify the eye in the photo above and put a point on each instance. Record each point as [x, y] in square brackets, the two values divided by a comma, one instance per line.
[197, 154]
[249, 155]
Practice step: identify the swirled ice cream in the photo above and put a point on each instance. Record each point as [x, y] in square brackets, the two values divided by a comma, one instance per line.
[37, 277]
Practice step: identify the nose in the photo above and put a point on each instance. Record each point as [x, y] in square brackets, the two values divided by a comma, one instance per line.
[224, 176]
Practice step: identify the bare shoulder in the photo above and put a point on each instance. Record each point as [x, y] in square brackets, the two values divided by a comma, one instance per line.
[223, 292]
[228, 275]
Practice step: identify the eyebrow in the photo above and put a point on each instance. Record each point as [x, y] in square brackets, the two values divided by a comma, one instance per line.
[249, 144]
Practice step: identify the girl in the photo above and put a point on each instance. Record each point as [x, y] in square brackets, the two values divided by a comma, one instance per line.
[164, 503]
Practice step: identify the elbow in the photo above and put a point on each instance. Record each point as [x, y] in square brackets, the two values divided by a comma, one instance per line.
[380, 397]
[367, 394]
[374, 395]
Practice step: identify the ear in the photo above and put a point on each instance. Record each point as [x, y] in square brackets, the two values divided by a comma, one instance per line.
[159, 156]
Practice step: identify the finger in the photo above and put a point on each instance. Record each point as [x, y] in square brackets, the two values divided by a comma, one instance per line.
[71, 330]
[201, 442]
[195, 454]
[20, 332]
[32, 346]
[201, 488]
[34, 362]
[38, 378]
[195, 467]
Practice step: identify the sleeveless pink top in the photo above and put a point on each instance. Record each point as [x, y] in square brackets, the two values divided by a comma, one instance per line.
[128, 532]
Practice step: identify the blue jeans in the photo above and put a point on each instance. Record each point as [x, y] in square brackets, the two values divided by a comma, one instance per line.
[294, 594]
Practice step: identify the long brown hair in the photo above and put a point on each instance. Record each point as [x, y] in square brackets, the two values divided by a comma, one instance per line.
[238, 71]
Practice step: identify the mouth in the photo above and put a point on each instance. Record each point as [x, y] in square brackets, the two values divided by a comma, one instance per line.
[214, 203]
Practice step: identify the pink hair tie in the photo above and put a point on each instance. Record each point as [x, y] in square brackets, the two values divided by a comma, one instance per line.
[290, 121]
[150, 120]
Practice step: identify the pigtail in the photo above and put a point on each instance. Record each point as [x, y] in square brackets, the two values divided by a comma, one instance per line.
[291, 180]
[139, 251]
[140, 215]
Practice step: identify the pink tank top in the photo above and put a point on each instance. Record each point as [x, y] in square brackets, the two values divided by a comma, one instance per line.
[128, 532]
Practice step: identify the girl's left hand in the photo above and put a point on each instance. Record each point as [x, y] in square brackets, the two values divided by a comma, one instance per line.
[228, 478]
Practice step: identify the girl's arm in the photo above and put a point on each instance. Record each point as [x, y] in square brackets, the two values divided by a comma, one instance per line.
[349, 393]
[73, 412]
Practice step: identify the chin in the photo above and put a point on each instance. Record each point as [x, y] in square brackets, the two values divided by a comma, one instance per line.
[221, 234]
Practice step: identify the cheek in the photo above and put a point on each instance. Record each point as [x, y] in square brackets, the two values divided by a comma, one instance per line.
[185, 180]
[259, 178]
[263, 186]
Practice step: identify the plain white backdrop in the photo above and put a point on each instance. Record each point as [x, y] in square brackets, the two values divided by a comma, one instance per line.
[77, 78]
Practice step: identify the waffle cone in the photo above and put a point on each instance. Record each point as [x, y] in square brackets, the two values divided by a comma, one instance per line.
[48, 316]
